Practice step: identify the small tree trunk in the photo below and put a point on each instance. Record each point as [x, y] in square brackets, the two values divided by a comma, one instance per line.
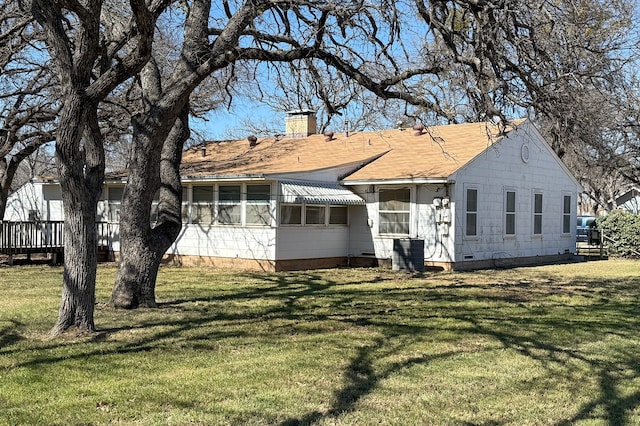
[142, 247]
[4, 187]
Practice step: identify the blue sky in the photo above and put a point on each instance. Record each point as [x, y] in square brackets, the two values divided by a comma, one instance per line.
[226, 123]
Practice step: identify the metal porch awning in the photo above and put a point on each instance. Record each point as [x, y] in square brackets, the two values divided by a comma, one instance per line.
[318, 193]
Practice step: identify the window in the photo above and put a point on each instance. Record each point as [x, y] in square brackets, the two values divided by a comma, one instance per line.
[471, 207]
[258, 198]
[566, 214]
[291, 214]
[394, 211]
[185, 204]
[314, 214]
[115, 200]
[202, 208]
[154, 206]
[510, 213]
[537, 214]
[338, 215]
[229, 204]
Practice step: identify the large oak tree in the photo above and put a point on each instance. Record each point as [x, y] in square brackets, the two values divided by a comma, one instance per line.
[89, 62]
[497, 57]
[494, 57]
[347, 37]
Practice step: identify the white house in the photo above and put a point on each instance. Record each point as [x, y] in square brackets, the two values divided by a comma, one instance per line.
[458, 197]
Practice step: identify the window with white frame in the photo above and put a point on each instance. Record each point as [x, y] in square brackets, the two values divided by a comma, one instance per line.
[338, 215]
[510, 213]
[114, 201]
[471, 212]
[229, 207]
[394, 211]
[537, 213]
[184, 211]
[566, 214]
[202, 204]
[291, 214]
[314, 214]
[258, 205]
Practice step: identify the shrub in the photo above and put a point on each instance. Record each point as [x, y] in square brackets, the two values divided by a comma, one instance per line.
[622, 232]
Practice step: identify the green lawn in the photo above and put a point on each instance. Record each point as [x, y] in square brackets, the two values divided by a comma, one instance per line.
[552, 345]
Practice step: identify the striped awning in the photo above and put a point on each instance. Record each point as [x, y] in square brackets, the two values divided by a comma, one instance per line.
[318, 193]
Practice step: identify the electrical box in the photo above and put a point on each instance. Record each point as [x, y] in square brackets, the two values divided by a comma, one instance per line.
[446, 216]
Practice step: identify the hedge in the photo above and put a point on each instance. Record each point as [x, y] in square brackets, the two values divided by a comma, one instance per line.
[622, 230]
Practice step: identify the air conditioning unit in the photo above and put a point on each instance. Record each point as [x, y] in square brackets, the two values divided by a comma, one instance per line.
[408, 255]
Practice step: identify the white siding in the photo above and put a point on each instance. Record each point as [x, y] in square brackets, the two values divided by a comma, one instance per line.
[360, 229]
[424, 224]
[437, 234]
[226, 241]
[312, 242]
[502, 168]
[44, 198]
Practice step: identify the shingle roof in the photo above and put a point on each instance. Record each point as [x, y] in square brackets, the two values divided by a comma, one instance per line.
[390, 154]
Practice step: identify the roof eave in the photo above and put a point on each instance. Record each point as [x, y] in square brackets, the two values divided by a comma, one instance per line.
[397, 181]
[188, 179]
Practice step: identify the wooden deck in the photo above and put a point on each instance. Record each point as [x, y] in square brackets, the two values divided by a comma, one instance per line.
[42, 237]
[592, 251]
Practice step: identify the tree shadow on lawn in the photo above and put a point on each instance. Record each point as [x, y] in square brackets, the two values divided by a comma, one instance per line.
[605, 317]
[9, 335]
[303, 304]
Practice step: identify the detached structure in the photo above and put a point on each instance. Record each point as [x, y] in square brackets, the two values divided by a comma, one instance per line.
[457, 197]
[629, 201]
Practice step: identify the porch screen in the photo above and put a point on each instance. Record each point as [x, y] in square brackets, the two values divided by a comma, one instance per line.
[394, 205]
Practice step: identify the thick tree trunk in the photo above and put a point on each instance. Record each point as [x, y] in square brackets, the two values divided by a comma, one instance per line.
[81, 172]
[79, 281]
[142, 247]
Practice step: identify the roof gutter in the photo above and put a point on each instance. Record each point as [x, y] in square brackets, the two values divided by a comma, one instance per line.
[396, 181]
[256, 177]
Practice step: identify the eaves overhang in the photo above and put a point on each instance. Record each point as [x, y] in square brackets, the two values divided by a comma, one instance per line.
[398, 181]
[227, 178]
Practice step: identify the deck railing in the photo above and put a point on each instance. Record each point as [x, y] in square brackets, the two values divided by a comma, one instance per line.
[41, 236]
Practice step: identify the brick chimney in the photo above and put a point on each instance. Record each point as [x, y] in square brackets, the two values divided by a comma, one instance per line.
[300, 123]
